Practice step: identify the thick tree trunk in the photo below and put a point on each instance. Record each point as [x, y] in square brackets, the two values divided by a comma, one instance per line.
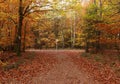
[19, 28]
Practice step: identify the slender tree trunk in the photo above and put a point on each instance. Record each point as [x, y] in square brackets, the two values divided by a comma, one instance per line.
[19, 28]
[63, 40]
[74, 31]
[87, 46]
[71, 34]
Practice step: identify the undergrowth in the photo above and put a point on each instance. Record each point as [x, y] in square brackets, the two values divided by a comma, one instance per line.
[7, 66]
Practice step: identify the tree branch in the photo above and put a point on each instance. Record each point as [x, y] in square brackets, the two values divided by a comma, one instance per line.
[12, 20]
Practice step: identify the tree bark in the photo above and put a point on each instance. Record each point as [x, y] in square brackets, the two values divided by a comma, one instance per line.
[24, 42]
[19, 28]
[98, 47]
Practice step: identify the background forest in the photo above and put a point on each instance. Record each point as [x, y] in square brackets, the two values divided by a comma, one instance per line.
[62, 24]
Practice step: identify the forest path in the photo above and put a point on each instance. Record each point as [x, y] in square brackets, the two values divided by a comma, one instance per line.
[64, 72]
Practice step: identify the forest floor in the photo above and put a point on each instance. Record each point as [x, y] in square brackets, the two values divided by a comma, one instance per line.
[60, 67]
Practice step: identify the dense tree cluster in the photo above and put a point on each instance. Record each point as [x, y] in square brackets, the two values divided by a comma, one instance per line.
[102, 29]
[59, 24]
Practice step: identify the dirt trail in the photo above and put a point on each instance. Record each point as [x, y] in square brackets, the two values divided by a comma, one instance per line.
[64, 72]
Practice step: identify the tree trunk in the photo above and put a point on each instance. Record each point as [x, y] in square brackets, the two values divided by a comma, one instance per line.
[99, 32]
[24, 42]
[71, 34]
[63, 40]
[87, 46]
[74, 30]
[19, 28]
